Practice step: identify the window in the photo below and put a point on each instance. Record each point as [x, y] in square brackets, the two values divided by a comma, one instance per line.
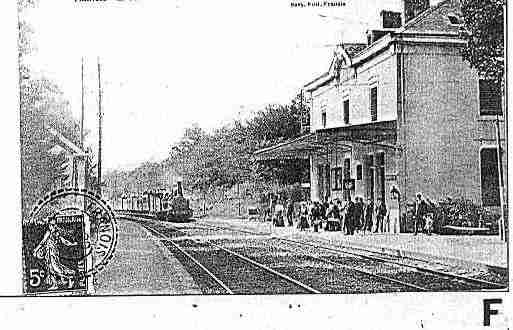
[320, 170]
[374, 103]
[324, 119]
[370, 160]
[327, 189]
[380, 159]
[359, 172]
[347, 168]
[489, 177]
[337, 175]
[346, 112]
[489, 98]
[455, 19]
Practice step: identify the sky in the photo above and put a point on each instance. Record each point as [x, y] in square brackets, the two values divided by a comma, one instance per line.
[166, 64]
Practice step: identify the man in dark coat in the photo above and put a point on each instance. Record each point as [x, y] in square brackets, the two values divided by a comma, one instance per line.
[323, 207]
[369, 212]
[381, 213]
[290, 212]
[350, 217]
[421, 209]
[358, 213]
[341, 224]
[336, 215]
[316, 216]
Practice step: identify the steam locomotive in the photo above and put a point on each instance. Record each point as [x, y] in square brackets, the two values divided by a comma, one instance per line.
[175, 207]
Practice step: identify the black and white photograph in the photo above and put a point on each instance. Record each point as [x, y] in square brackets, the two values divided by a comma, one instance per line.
[355, 151]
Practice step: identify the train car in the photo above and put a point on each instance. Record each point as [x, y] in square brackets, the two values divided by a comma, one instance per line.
[175, 207]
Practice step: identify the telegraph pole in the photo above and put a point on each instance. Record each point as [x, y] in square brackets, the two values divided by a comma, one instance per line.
[505, 204]
[100, 119]
[502, 228]
[238, 195]
[82, 114]
[504, 105]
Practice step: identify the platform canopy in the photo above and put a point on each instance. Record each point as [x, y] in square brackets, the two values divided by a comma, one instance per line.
[382, 133]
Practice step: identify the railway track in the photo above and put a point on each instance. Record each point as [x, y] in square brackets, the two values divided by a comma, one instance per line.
[218, 254]
[437, 277]
[230, 272]
[328, 270]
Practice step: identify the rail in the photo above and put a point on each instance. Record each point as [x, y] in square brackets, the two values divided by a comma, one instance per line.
[382, 260]
[235, 254]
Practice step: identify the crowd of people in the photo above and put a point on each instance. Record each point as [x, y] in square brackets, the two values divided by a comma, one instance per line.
[351, 216]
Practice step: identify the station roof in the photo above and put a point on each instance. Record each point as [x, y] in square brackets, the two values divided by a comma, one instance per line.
[375, 133]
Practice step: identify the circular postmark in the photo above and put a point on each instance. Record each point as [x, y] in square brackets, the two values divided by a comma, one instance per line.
[70, 235]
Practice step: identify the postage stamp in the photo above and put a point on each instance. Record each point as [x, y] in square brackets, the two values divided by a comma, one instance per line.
[70, 236]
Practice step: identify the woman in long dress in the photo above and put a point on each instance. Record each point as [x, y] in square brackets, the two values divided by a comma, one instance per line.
[303, 216]
[48, 250]
[394, 210]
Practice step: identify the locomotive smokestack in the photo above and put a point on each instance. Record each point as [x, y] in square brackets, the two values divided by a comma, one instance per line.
[179, 191]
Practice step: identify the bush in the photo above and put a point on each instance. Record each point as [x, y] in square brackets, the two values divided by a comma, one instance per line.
[462, 213]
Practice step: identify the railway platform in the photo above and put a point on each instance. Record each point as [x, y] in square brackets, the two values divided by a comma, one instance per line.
[467, 251]
[142, 265]
[470, 251]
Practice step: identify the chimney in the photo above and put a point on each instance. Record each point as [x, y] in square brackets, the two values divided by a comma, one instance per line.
[179, 190]
[375, 35]
[390, 19]
[413, 8]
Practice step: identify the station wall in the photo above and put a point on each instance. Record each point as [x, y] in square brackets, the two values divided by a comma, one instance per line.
[442, 131]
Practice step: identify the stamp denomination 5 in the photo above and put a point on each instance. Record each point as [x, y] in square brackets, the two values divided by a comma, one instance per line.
[70, 236]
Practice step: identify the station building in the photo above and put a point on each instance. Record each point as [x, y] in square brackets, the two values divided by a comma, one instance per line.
[402, 109]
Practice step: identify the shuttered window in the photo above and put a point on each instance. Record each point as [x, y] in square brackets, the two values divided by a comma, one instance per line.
[359, 172]
[489, 177]
[489, 98]
[374, 103]
[380, 159]
[347, 168]
[346, 112]
[337, 174]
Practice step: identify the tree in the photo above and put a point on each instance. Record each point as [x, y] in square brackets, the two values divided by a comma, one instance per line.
[42, 166]
[42, 105]
[224, 158]
[484, 33]
[273, 125]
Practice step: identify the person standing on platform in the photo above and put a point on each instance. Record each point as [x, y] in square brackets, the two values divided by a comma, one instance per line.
[368, 216]
[311, 206]
[303, 216]
[429, 216]
[290, 212]
[358, 213]
[272, 204]
[341, 211]
[394, 211]
[336, 216]
[279, 212]
[381, 212]
[420, 212]
[386, 222]
[350, 217]
[316, 216]
[329, 216]
[323, 210]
